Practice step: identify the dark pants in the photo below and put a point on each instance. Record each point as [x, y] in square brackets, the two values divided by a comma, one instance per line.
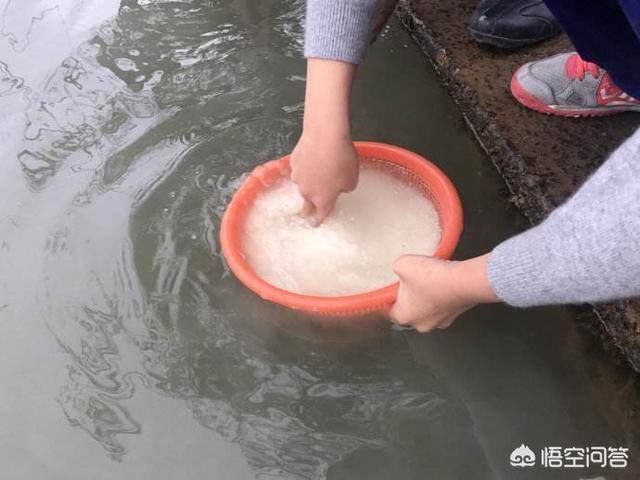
[605, 32]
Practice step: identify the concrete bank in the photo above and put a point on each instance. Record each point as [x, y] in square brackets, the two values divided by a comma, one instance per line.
[543, 159]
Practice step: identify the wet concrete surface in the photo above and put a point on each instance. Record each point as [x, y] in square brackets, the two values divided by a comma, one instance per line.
[543, 159]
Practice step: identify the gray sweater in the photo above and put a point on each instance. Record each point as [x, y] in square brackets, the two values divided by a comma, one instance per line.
[587, 250]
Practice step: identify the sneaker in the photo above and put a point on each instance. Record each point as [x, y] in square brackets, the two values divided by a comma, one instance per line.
[567, 85]
[512, 23]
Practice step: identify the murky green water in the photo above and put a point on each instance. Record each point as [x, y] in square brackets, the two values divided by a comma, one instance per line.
[129, 351]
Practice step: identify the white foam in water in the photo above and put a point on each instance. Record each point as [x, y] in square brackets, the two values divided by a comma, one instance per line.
[353, 250]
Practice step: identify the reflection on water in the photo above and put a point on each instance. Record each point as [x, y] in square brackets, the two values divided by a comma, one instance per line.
[122, 142]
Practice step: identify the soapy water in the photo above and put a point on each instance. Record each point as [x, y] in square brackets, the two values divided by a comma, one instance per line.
[354, 249]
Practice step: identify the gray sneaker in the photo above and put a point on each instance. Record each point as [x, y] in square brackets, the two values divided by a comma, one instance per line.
[567, 85]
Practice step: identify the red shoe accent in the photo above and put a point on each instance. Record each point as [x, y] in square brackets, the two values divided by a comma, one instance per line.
[576, 67]
[610, 94]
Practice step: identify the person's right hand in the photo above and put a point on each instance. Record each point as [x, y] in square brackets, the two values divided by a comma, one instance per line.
[323, 168]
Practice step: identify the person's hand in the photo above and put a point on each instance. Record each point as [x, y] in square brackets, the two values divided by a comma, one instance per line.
[324, 162]
[323, 168]
[434, 292]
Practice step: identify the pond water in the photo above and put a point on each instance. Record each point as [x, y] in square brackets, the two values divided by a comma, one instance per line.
[130, 351]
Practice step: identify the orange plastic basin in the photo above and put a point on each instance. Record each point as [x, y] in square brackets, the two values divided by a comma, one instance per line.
[409, 166]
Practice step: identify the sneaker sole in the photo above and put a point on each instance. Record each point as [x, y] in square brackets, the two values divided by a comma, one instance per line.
[505, 42]
[529, 101]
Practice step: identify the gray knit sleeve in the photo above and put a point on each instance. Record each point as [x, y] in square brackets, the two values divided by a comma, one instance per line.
[338, 29]
[587, 250]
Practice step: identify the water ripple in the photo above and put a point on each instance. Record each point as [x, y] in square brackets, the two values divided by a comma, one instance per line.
[134, 144]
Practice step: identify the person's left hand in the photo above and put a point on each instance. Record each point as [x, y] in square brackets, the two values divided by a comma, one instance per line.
[434, 292]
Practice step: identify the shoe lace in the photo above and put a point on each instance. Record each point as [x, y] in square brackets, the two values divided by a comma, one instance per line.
[577, 67]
